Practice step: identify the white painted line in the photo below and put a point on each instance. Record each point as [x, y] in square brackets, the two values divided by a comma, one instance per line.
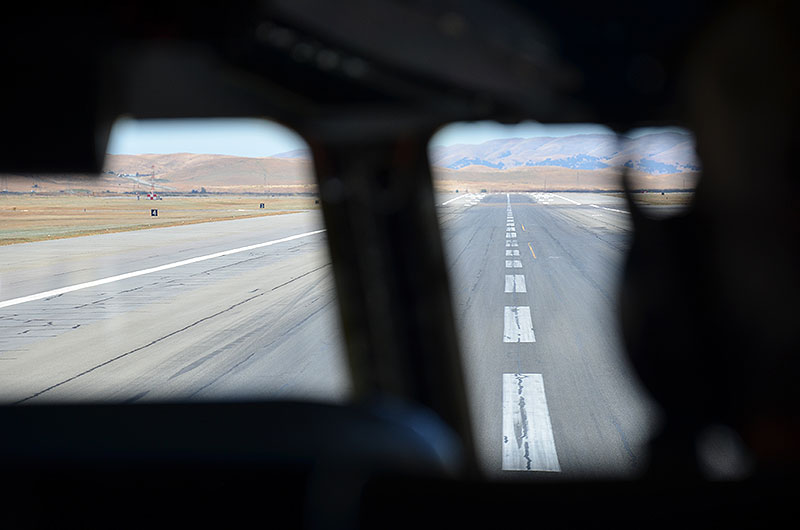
[566, 199]
[134, 274]
[618, 211]
[512, 252]
[517, 326]
[512, 234]
[528, 442]
[609, 209]
[515, 283]
[510, 229]
[512, 244]
[513, 264]
[453, 199]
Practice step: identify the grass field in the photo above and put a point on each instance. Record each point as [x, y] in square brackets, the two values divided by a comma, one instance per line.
[26, 218]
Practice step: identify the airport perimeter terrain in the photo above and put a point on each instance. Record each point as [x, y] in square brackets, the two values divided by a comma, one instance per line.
[35, 217]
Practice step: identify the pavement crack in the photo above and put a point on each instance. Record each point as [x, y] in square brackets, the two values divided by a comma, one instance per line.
[132, 290]
[523, 429]
[94, 303]
[298, 277]
[188, 368]
[137, 397]
[239, 262]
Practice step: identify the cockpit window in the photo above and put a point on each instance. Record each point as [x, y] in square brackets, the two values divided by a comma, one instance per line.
[536, 228]
[194, 267]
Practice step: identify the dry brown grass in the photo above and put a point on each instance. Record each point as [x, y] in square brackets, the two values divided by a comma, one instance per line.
[550, 178]
[26, 218]
[656, 199]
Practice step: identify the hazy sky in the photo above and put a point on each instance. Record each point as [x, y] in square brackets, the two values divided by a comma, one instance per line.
[482, 131]
[256, 138]
[240, 137]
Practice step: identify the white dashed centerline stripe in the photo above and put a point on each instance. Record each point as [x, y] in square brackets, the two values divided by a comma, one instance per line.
[512, 252]
[515, 283]
[512, 244]
[134, 274]
[528, 443]
[513, 264]
[517, 326]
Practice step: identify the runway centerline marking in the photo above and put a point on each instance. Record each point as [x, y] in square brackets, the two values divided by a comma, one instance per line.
[517, 326]
[134, 274]
[528, 442]
[515, 283]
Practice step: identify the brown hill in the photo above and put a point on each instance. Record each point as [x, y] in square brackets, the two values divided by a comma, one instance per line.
[179, 172]
[553, 178]
[184, 172]
[187, 171]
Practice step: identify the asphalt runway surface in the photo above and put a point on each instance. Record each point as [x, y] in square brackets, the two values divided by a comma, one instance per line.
[245, 309]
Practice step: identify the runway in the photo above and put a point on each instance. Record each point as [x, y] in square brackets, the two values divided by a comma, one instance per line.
[247, 325]
[245, 309]
[534, 280]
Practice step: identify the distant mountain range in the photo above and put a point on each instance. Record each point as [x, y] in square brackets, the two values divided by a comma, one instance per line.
[659, 161]
[659, 153]
[655, 154]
